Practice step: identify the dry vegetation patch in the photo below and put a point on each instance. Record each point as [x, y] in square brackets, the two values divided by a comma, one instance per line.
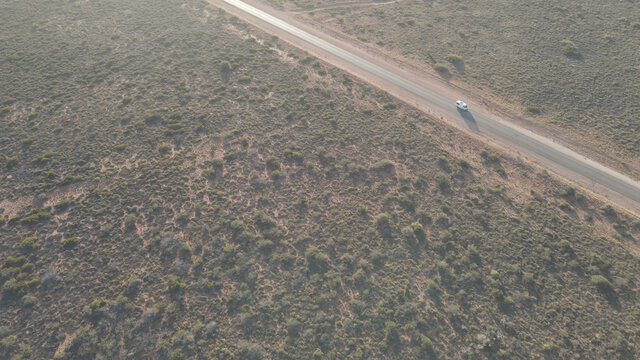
[294, 212]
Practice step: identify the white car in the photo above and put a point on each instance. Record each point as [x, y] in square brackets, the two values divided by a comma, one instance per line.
[461, 105]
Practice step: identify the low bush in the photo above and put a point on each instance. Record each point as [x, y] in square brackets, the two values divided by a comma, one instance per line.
[569, 48]
[442, 69]
[454, 59]
[70, 242]
[29, 244]
[602, 284]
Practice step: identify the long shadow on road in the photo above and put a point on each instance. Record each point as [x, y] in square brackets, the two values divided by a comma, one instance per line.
[469, 120]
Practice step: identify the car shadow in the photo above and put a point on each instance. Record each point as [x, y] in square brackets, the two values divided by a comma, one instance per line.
[469, 120]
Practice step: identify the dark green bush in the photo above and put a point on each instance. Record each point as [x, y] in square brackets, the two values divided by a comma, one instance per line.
[174, 285]
[383, 165]
[454, 59]
[29, 301]
[217, 163]
[391, 333]
[272, 163]
[130, 221]
[317, 261]
[153, 118]
[442, 69]
[532, 110]
[569, 48]
[602, 284]
[29, 244]
[164, 149]
[293, 327]
[12, 161]
[70, 242]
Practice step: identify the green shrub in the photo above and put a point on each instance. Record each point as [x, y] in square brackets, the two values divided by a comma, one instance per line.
[443, 183]
[182, 218]
[492, 158]
[217, 163]
[608, 210]
[40, 215]
[265, 246]
[418, 230]
[442, 69]
[70, 242]
[14, 288]
[185, 250]
[250, 351]
[569, 48]
[454, 59]
[130, 221]
[209, 173]
[528, 279]
[382, 221]
[164, 149]
[11, 261]
[293, 327]
[317, 261]
[602, 284]
[12, 161]
[174, 285]
[63, 205]
[433, 290]
[27, 268]
[565, 245]
[391, 333]
[97, 303]
[29, 244]
[272, 163]
[566, 207]
[532, 110]
[293, 155]
[426, 344]
[229, 156]
[225, 66]
[244, 79]
[408, 235]
[262, 220]
[153, 118]
[198, 263]
[383, 165]
[29, 301]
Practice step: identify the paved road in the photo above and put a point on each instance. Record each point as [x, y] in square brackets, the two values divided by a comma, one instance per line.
[590, 173]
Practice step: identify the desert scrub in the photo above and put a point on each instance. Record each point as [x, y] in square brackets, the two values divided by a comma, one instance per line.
[454, 59]
[569, 48]
[602, 284]
[70, 243]
[29, 243]
[383, 166]
[442, 69]
[11, 161]
[532, 110]
[164, 149]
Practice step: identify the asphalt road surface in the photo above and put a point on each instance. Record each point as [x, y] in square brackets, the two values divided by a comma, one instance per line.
[588, 173]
